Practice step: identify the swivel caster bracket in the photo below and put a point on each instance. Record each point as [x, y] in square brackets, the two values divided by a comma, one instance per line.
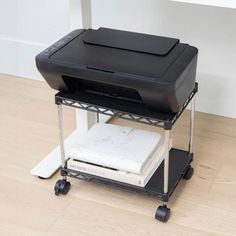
[162, 213]
[189, 173]
[62, 187]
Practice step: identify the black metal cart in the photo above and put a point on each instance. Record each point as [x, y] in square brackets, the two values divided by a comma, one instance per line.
[175, 166]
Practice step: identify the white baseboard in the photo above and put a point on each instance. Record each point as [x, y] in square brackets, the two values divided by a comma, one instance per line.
[213, 3]
[18, 58]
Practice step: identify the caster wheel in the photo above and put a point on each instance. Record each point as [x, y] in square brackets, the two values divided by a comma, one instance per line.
[162, 213]
[189, 173]
[62, 187]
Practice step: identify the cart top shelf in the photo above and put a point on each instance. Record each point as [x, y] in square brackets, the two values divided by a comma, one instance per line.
[122, 109]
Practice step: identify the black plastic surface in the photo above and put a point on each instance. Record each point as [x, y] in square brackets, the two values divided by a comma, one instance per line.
[189, 173]
[150, 44]
[178, 164]
[162, 214]
[115, 60]
[62, 187]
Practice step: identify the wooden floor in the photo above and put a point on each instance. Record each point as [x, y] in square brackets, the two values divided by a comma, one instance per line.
[205, 205]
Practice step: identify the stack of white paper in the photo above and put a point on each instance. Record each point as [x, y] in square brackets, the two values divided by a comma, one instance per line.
[122, 153]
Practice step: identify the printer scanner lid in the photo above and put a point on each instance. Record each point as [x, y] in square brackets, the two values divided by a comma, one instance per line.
[135, 42]
[117, 51]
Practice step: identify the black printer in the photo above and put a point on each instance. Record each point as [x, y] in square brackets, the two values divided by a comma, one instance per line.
[158, 72]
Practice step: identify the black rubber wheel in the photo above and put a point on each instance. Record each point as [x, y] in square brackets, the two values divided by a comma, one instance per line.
[162, 213]
[62, 187]
[189, 173]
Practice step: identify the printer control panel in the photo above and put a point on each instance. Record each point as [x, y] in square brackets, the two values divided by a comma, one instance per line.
[56, 46]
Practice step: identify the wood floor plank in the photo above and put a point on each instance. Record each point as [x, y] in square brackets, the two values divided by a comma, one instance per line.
[85, 217]
[29, 205]
[10, 229]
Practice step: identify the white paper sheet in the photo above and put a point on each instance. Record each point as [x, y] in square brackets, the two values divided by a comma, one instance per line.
[118, 147]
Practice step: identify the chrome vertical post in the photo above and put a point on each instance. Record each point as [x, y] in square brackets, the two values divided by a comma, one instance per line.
[61, 135]
[190, 147]
[97, 117]
[166, 161]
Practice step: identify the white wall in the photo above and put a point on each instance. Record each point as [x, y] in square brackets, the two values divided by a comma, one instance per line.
[75, 14]
[211, 29]
[26, 28]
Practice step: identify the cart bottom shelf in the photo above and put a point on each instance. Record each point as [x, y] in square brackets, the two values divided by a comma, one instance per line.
[179, 164]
